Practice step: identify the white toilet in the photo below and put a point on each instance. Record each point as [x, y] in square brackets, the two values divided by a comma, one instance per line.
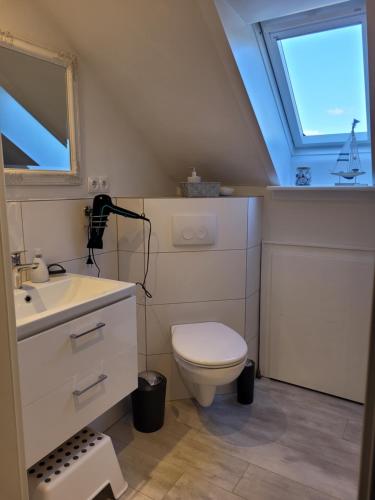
[208, 355]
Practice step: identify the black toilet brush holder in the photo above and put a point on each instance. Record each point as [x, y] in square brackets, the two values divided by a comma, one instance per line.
[245, 383]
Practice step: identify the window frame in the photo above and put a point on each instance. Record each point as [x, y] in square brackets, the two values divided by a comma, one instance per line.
[303, 24]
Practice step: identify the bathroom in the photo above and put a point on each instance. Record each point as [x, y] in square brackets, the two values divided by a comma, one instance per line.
[279, 266]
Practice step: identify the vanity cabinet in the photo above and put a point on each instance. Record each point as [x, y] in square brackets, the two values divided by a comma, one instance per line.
[74, 372]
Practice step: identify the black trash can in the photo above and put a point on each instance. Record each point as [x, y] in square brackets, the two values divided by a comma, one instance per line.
[148, 401]
[245, 384]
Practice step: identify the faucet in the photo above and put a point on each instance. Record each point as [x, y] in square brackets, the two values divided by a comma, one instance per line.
[17, 269]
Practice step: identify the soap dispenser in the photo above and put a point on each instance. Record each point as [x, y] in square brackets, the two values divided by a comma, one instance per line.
[40, 274]
[194, 177]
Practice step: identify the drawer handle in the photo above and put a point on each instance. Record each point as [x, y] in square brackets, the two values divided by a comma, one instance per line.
[79, 335]
[101, 379]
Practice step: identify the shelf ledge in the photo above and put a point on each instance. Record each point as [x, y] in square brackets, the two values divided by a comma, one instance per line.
[322, 188]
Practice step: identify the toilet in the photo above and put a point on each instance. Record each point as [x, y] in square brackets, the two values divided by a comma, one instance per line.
[208, 355]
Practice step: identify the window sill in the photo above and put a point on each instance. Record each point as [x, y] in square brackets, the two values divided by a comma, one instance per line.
[321, 188]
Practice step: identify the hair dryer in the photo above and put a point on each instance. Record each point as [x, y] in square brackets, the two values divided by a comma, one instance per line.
[102, 208]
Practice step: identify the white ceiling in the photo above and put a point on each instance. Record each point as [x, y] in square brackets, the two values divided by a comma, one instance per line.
[167, 65]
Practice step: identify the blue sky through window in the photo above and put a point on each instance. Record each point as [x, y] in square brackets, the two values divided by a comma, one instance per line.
[326, 72]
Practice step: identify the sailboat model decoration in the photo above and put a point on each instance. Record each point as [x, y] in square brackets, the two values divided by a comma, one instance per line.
[348, 164]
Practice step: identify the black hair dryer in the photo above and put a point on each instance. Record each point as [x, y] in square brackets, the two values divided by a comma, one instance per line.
[101, 209]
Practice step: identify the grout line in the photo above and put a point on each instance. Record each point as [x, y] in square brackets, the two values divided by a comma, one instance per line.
[292, 480]
[23, 230]
[237, 482]
[151, 304]
[192, 251]
[246, 269]
[117, 249]
[85, 256]
[144, 270]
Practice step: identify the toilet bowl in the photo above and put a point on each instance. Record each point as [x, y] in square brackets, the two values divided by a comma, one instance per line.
[208, 355]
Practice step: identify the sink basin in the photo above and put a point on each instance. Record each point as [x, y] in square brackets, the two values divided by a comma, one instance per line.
[40, 306]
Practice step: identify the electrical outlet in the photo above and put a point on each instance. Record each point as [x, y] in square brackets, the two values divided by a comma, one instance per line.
[103, 184]
[93, 185]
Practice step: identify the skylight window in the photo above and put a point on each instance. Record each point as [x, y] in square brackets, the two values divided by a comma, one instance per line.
[321, 76]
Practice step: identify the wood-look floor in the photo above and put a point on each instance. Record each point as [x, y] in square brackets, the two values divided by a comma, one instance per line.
[290, 444]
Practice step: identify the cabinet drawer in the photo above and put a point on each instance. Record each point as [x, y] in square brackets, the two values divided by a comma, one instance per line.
[59, 415]
[50, 359]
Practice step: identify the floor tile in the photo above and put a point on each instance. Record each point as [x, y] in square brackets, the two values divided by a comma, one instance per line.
[290, 440]
[353, 431]
[194, 457]
[260, 484]
[292, 463]
[191, 487]
[152, 477]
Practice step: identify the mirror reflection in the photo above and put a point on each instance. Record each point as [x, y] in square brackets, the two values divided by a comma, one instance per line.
[33, 113]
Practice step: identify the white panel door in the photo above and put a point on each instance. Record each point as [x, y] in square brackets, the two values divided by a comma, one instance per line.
[316, 318]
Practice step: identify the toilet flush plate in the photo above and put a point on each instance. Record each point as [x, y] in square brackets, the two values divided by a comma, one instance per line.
[200, 229]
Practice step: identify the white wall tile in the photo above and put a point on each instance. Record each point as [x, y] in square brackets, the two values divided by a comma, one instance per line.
[107, 262]
[252, 349]
[130, 231]
[131, 269]
[165, 364]
[197, 276]
[141, 328]
[231, 221]
[253, 270]
[60, 228]
[160, 318]
[254, 221]
[252, 326]
[15, 226]
[252, 316]
[141, 363]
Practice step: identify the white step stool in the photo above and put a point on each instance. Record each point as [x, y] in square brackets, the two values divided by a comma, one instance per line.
[77, 470]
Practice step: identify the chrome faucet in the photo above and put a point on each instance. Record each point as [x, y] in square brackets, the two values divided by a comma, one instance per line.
[17, 269]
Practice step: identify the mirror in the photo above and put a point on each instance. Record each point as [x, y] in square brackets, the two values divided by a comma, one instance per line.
[38, 117]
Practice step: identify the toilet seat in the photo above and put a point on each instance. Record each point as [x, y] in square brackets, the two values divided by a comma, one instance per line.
[208, 345]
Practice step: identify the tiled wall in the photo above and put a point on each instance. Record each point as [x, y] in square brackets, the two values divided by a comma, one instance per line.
[219, 282]
[59, 227]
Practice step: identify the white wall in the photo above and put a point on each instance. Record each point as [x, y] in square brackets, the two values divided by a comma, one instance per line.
[317, 278]
[110, 143]
[243, 42]
[193, 284]
[169, 68]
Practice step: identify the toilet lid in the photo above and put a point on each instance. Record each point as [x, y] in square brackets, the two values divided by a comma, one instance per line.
[208, 344]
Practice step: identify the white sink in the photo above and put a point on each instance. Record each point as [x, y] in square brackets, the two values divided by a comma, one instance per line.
[40, 306]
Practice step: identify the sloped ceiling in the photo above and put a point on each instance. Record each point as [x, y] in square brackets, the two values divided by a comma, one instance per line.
[254, 11]
[167, 64]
